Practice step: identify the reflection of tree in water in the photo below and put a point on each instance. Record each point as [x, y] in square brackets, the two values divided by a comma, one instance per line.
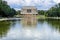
[4, 27]
[41, 21]
[13, 23]
[55, 23]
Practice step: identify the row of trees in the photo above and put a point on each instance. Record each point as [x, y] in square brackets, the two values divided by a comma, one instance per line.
[52, 12]
[5, 10]
[41, 12]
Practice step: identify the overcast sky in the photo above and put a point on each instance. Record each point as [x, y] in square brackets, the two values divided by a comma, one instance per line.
[40, 4]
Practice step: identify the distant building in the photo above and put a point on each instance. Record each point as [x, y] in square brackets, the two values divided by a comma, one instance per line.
[29, 10]
[28, 13]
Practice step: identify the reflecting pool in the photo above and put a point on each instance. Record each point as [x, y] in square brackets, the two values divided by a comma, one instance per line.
[30, 29]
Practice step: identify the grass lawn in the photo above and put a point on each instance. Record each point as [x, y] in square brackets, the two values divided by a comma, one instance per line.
[40, 16]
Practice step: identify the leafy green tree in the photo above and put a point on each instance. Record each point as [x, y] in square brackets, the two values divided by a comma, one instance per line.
[54, 11]
[5, 10]
[41, 12]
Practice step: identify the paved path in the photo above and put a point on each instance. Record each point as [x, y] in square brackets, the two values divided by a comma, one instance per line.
[53, 17]
[22, 18]
[10, 19]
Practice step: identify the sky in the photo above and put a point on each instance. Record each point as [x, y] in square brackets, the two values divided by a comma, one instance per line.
[39, 4]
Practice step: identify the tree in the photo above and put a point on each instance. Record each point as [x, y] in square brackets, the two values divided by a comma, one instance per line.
[54, 11]
[5, 10]
[41, 12]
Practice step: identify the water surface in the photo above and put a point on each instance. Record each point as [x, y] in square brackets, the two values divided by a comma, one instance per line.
[31, 29]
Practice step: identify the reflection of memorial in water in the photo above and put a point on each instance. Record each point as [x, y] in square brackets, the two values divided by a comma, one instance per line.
[29, 20]
[29, 16]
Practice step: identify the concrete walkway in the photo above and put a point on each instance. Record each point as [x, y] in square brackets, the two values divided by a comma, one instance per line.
[10, 19]
[53, 17]
[3, 19]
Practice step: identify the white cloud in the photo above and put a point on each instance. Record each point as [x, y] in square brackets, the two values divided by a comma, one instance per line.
[28, 2]
[56, 1]
[42, 3]
[14, 1]
[17, 9]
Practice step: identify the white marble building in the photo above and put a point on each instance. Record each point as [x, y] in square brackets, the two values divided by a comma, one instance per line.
[29, 10]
